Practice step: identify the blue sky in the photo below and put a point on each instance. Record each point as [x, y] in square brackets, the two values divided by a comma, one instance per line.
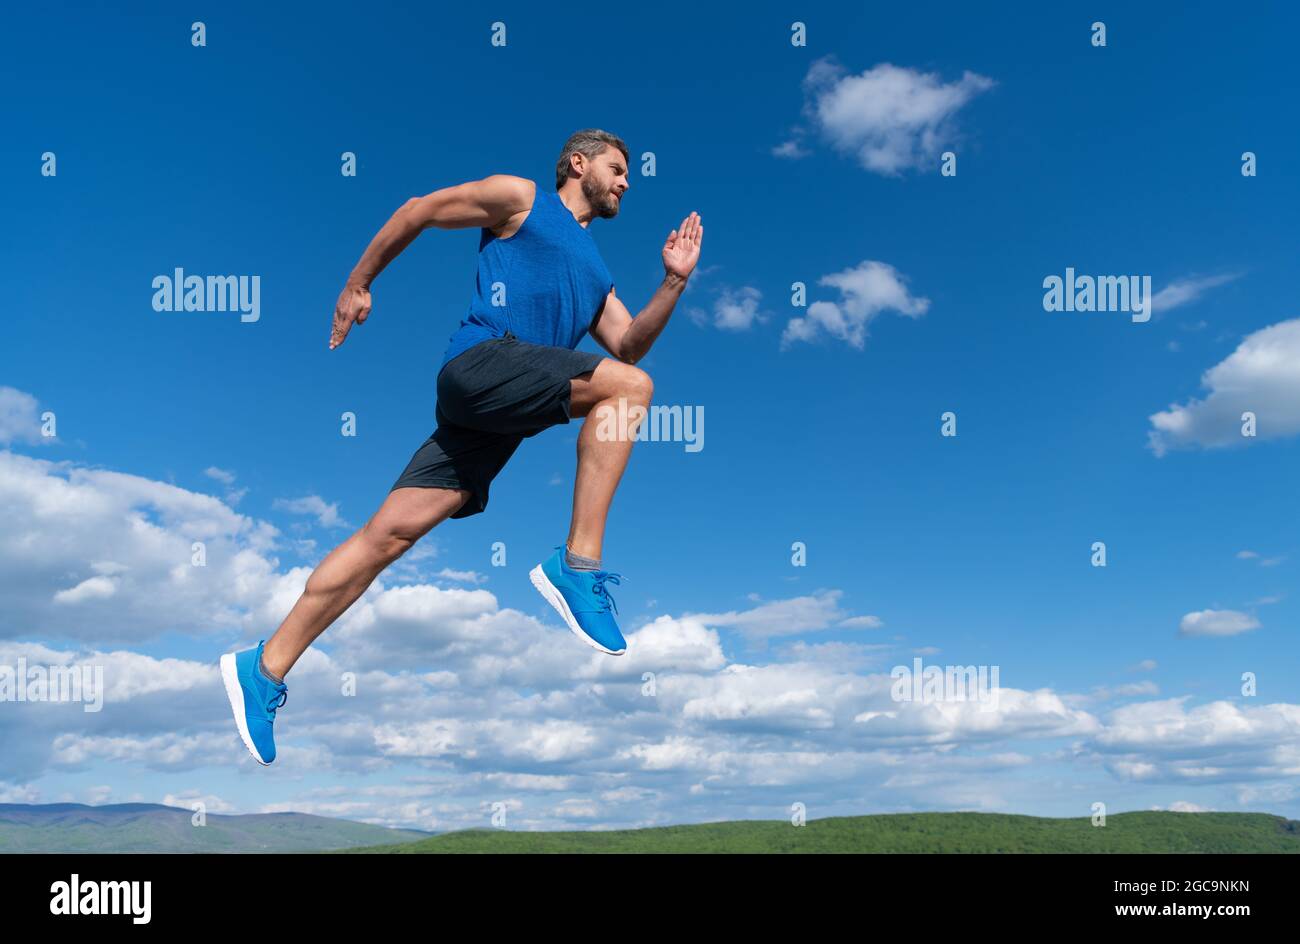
[805, 163]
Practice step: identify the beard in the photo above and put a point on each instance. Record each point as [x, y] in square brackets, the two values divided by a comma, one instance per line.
[602, 201]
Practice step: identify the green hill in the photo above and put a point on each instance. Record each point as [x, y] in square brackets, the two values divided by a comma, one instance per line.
[904, 832]
[148, 827]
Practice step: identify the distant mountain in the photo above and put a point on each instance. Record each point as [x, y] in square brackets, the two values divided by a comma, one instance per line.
[149, 827]
[905, 832]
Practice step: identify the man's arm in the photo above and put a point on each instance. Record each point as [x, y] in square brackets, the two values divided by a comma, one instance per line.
[628, 338]
[491, 202]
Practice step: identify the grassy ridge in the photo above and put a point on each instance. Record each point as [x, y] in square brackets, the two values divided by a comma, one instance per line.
[1152, 832]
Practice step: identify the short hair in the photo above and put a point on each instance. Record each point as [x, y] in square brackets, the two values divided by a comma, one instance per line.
[591, 143]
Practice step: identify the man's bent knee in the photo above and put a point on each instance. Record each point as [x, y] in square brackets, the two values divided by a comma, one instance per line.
[407, 517]
[635, 384]
[390, 540]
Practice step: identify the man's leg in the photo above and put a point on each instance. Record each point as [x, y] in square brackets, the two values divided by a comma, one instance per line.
[601, 462]
[406, 516]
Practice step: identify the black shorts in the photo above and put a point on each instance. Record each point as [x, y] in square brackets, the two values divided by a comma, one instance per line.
[491, 398]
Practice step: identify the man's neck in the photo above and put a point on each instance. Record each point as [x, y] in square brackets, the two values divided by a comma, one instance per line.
[577, 204]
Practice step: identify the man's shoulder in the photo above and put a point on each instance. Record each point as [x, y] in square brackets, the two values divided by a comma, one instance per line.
[518, 192]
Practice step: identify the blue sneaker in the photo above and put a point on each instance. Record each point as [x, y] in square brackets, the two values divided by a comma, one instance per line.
[254, 699]
[582, 600]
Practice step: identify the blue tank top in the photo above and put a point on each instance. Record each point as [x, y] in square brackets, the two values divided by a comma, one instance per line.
[548, 282]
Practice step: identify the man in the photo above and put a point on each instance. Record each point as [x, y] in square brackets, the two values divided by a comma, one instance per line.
[511, 370]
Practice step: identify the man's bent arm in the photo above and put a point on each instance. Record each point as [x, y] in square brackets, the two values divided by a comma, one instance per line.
[630, 339]
[491, 202]
[488, 202]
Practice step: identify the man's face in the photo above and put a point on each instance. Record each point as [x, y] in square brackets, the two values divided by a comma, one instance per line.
[605, 182]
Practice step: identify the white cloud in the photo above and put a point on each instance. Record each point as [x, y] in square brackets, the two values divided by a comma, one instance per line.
[326, 513]
[92, 588]
[59, 519]
[867, 289]
[461, 576]
[1183, 806]
[459, 698]
[780, 617]
[423, 622]
[221, 475]
[1187, 290]
[173, 751]
[890, 119]
[773, 696]
[1219, 741]
[673, 753]
[1216, 623]
[233, 495]
[715, 732]
[1261, 376]
[791, 149]
[841, 655]
[684, 645]
[1263, 561]
[545, 742]
[24, 793]
[1254, 795]
[862, 622]
[1013, 713]
[733, 310]
[19, 417]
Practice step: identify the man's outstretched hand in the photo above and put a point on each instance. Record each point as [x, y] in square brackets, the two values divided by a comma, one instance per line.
[682, 250]
[353, 307]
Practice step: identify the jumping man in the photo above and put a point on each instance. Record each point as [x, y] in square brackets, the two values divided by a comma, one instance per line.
[511, 370]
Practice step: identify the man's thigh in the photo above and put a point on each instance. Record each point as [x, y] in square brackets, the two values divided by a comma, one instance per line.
[510, 387]
[459, 459]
